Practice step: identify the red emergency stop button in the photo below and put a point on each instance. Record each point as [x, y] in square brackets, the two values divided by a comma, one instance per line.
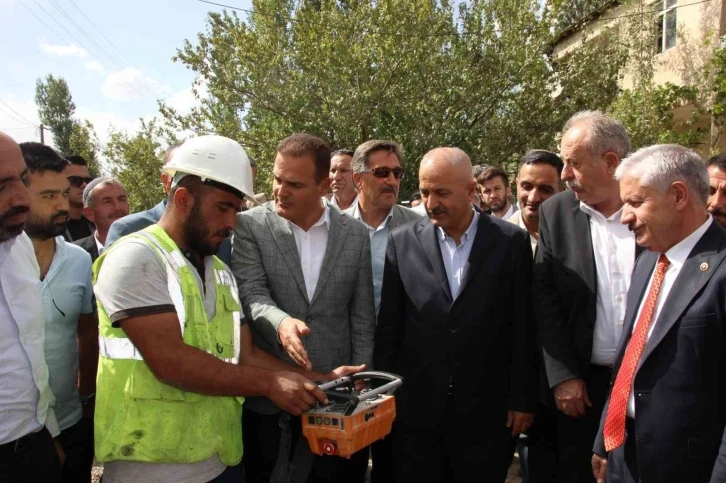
[329, 448]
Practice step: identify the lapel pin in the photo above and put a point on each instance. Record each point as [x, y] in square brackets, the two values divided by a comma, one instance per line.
[345, 222]
[704, 266]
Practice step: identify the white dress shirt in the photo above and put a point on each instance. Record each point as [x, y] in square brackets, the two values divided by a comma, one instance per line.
[311, 246]
[99, 245]
[510, 211]
[455, 257]
[613, 246]
[677, 256]
[26, 401]
[334, 201]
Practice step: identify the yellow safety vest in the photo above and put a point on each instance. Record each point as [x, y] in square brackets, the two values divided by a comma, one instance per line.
[138, 417]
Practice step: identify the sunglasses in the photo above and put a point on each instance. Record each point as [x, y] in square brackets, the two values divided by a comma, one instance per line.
[78, 181]
[384, 172]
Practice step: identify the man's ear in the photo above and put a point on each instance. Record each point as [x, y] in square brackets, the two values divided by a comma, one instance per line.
[183, 200]
[88, 213]
[324, 186]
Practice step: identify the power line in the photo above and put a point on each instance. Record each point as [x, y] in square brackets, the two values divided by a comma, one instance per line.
[82, 45]
[19, 115]
[16, 128]
[98, 46]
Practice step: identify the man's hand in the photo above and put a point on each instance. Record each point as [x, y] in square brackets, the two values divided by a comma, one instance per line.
[599, 468]
[290, 333]
[342, 371]
[519, 422]
[571, 397]
[59, 450]
[294, 393]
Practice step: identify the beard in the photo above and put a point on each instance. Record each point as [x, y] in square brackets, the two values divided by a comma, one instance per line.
[37, 227]
[10, 231]
[198, 234]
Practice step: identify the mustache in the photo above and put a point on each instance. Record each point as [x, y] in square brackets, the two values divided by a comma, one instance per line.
[224, 233]
[717, 212]
[388, 189]
[633, 227]
[439, 210]
[14, 211]
[573, 185]
[117, 214]
[60, 214]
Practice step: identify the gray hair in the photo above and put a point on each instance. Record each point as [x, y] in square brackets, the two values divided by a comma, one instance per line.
[90, 198]
[661, 165]
[604, 133]
[364, 151]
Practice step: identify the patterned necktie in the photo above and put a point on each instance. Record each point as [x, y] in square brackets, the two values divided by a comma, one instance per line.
[614, 431]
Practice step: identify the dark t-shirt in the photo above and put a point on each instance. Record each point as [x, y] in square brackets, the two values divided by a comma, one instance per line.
[78, 229]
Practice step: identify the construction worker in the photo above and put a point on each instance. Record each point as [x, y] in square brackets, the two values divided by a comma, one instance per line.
[175, 360]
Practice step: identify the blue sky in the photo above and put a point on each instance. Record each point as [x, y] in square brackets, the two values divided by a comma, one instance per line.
[109, 86]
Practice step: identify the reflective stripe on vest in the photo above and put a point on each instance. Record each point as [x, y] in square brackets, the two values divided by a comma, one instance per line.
[122, 348]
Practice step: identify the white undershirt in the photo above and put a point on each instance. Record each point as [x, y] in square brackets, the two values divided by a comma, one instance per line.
[613, 246]
[311, 246]
[677, 256]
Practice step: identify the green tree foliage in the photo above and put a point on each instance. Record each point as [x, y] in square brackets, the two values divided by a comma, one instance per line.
[84, 142]
[56, 110]
[136, 161]
[423, 73]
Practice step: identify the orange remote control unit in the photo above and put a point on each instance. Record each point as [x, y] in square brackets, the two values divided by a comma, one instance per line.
[351, 420]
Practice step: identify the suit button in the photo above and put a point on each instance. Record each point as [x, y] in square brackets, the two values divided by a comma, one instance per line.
[310, 318]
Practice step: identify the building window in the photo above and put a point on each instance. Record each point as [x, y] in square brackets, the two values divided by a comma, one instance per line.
[666, 25]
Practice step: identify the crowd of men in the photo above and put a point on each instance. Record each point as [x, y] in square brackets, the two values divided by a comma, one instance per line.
[581, 323]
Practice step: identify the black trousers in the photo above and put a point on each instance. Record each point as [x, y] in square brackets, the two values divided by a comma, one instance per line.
[77, 443]
[452, 451]
[30, 459]
[261, 435]
[623, 461]
[560, 447]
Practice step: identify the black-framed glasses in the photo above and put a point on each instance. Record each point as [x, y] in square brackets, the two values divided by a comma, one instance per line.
[383, 173]
[78, 181]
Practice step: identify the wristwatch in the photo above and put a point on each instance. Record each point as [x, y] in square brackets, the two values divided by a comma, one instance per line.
[86, 400]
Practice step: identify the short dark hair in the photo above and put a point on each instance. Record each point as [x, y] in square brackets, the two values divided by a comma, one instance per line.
[719, 161]
[478, 169]
[492, 172]
[415, 196]
[76, 159]
[41, 158]
[303, 144]
[344, 152]
[541, 156]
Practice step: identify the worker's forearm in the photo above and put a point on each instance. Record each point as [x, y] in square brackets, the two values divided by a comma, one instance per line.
[193, 370]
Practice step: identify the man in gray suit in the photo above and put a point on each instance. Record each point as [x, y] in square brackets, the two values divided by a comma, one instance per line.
[304, 274]
[377, 175]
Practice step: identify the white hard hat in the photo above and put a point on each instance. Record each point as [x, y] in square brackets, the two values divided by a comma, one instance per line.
[216, 158]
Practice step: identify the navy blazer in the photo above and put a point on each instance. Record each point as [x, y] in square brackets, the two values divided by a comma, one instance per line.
[482, 342]
[680, 382]
[138, 221]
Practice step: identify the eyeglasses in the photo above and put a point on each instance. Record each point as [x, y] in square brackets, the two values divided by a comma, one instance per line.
[78, 181]
[384, 172]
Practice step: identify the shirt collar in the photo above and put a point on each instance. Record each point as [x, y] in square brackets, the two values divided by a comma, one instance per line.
[356, 215]
[469, 231]
[593, 212]
[99, 245]
[6, 247]
[678, 253]
[324, 218]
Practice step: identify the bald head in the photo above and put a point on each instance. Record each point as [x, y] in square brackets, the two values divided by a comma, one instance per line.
[14, 196]
[447, 186]
[448, 159]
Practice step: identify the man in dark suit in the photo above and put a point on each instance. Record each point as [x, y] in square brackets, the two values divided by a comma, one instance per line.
[666, 413]
[584, 260]
[138, 221]
[455, 321]
[104, 201]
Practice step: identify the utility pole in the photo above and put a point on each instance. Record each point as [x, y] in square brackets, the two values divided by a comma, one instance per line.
[42, 135]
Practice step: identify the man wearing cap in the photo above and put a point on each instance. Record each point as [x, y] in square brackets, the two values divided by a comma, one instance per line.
[138, 221]
[175, 359]
[104, 201]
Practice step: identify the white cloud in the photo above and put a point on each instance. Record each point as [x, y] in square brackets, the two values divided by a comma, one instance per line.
[95, 66]
[130, 84]
[183, 101]
[70, 50]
